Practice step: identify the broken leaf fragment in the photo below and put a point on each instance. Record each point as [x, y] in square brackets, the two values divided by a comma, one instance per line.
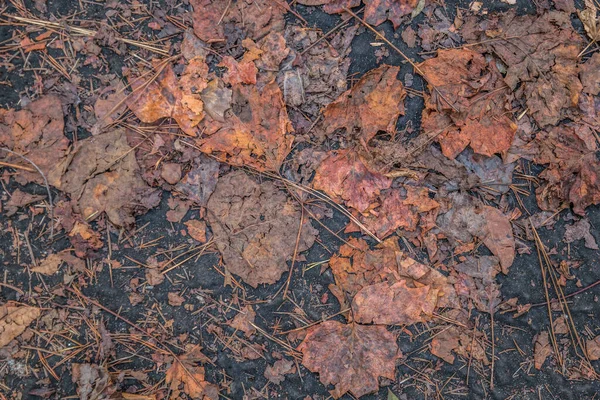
[350, 356]
[14, 319]
[255, 227]
[185, 372]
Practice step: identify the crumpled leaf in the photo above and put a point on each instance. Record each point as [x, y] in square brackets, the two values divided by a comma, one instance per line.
[459, 339]
[255, 228]
[185, 371]
[352, 357]
[14, 319]
[581, 230]
[469, 218]
[378, 11]
[254, 135]
[373, 104]
[394, 304]
[37, 132]
[214, 18]
[19, 199]
[93, 381]
[540, 56]
[573, 172]
[168, 96]
[102, 175]
[276, 372]
[468, 103]
[542, 349]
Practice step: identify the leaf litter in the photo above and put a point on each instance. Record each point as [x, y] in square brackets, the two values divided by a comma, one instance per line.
[253, 123]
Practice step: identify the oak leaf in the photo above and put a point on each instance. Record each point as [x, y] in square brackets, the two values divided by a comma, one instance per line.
[14, 319]
[255, 228]
[352, 357]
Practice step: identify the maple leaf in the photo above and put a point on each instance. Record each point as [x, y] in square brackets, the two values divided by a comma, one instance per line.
[102, 175]
[373, 104]
[14, 319]
[170, 97]
[394, 304]
[540, 54]
[254, 135]
[37, 131]
[468, 105]
[185, 371]
[253, 224]
[352, 357]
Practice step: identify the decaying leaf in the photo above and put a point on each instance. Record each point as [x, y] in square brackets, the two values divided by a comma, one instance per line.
[102, 175]
[373, 104]
[196, 229]
[243, 321]
[592, 348]
[468, 218]
[468, 103]
[581, 230]
[276, 373]
[19, 199]
[253, 135]
[168, 96]
[542, 349]
[49, 265]
[14, 319]
[394, 304]
[540, 54]
[378, 11]
[255, 227]
[185, 371]
[109, 106]
[93, 381]
[589, 73]
[37, 132]
[352, 357]
[200, 181]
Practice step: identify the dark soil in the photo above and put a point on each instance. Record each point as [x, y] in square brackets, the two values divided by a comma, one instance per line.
[204, 287]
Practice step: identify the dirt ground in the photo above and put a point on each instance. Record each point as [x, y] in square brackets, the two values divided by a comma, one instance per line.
[200, 279]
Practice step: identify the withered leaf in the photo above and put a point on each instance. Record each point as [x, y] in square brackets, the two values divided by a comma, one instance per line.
[352, 357]
[394, 304]
[253, 224]
[35, 131]
[109, 106]
[166, 96]
[589, 73]
[185, 371]
[373, 104]
[542, 349]
[243, 321]
[93, 381]
[49, 265]
[468, 103]
[581, 230]
[102, 175]
[469, 218]
[19, 199]
[592, 348]
[255, 135]
[14, 319]
[196, 229]
[276, 372]
[540, 55]
[378, 11]
[200, 181]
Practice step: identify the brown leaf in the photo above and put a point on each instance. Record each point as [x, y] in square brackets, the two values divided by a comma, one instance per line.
[49, 265]
[541, 57]
[254, 135]
[255, 228]
[197, 230]
[102, 175]
[14, 319]
[109, 106]
[469, 218]
[243, 321]
[395, 304]
[589, 73]
[276, 372]
[184, 371]
[175, 299]
[468, 103]
[542, 349]
[20, 199]
[352, 357]
[580, 230]
[199, 183]
[93, 381]
[170, 97]
[36, 131]
[592, 348]
[378, 11]
[373, 104]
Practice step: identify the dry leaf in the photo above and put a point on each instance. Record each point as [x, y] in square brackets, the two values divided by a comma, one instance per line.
[255, 228]
[184, 371]
[14, 319]
[244, 321]
[352, 357]
[378, 11]
[276, 372]
[93, 381]
[197, 230]
[592, 348]
[49, 265]
[542, 349]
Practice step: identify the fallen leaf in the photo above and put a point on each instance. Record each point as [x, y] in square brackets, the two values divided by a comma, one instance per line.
[109, 106]
[171, 173]
[592, 348]
[542, 349]
[580, 230]
[378, 11]
[200, 181]
[175, 299]
[49, 265]
[253, 135]
[244, 321]
[252, 225]
[196, 229]
[102, 176]
[589, 73]
[19, 199]
[352, 357]
[37, 132]
[373, 104]
[93, 381]
[168, 96]
[14, 319]
[395, 304]
[276, 372]
[184, 371]
[468, 103]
